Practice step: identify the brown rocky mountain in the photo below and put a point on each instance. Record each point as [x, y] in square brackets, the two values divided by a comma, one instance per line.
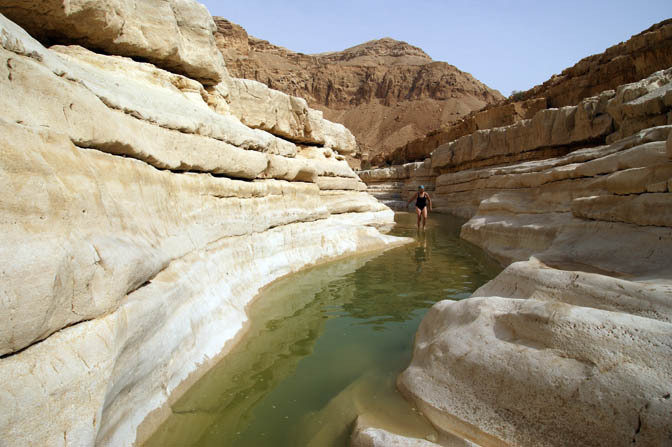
[385, 91]
[625, 62]
[630, 61]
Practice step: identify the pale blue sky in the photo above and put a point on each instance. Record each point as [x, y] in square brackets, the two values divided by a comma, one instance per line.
[509, 45]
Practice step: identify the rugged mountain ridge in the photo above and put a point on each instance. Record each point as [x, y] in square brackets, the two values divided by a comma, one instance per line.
[638, 57]
[385, 91]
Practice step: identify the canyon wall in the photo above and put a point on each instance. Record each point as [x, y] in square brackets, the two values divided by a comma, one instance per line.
[147, 197]
[385, 91]
[571, 343]
[626, 62]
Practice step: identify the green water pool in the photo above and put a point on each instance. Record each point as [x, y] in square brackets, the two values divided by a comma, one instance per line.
[326, 345]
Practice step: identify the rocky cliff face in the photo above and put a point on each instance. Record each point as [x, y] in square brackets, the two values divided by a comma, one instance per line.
[639, 57]
[643, 54]
[144, 205]
[571, 343]
[385, 91]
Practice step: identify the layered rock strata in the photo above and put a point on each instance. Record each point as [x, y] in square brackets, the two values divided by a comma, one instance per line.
[623, 63]
[571, 343]
[466, 171]
[640, 56]
[385, 91]
[176, 35]
[396, 184]
[496, 115]
[140, 216]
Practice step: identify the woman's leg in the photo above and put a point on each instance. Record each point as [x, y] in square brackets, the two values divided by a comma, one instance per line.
[424, 217]
[419, 213]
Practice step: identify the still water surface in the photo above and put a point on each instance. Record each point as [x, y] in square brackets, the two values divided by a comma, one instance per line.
[326, 345]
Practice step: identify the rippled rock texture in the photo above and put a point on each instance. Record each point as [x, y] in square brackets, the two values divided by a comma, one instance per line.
[570, 344]
[143, 209]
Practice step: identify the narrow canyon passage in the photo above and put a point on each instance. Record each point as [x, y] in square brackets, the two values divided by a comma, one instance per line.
[326, 346]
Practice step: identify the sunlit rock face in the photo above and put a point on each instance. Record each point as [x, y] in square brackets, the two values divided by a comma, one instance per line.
[143, 208]
[571, 343]
[176, 35]
[637, 58]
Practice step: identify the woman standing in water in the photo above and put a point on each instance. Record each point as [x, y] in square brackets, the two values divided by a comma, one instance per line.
[422, 200]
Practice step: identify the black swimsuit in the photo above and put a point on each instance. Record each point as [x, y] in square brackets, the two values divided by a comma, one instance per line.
[421, 203]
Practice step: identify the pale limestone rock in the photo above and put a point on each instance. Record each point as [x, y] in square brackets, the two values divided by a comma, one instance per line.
[657, 187]
[327, 183]
[259, 107]
[381, 174]
[560, 238]
[501, 371]
[636, 180]
[597, 307]
[33, 94]
[394, 185]
[325, 162]
[631, 108]
[549, 127]
[585, 172]
[82, 251]
[291, 169]
[643, 209]
[173, 102]
[514, 237]
[118, 245]
[373, 431]
[533, 279]
[377, 437]
[126, 274]
[340, 201]
[176, 35]
[596, 223]
[641, 104]
[36, 96]
[645, 155]
[330, 134]
[287, 116]
[369, 399]
[178, 318]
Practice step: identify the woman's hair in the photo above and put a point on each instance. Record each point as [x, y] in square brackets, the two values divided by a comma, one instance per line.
[421, 187]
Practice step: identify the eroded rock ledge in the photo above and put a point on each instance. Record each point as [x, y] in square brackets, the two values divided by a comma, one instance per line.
[142, 211]
[572, 343]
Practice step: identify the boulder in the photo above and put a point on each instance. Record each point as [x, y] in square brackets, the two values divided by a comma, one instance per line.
[574, 284]
[176, 35]
[641, 104]
[501, 371]
[289, 117]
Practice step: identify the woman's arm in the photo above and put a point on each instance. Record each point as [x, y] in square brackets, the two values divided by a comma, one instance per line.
[429, 199]
[412, 198]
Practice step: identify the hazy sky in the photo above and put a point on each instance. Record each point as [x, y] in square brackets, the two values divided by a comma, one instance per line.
[509, 45]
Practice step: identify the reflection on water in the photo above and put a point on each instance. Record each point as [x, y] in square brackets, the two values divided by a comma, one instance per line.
[325, 345]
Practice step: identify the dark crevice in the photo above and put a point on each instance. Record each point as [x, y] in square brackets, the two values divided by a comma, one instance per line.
[40, 340]
[537, 154]
[637, 429]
